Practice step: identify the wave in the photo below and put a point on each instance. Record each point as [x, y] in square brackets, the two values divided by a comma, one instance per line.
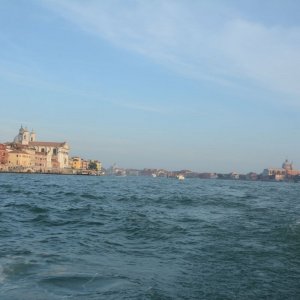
[84, 284]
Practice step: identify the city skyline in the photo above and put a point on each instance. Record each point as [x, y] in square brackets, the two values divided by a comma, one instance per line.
[162, 84]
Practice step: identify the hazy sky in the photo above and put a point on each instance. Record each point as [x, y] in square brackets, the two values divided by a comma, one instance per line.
[204, 85]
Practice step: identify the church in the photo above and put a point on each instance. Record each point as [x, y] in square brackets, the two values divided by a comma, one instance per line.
[42, 156]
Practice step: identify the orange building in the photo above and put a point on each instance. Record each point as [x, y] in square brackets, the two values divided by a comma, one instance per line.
[3, 154]
[19, 159]
[84, 164]
[40, 161]
[75, 163]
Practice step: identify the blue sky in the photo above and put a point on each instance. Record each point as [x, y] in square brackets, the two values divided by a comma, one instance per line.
[203, 85]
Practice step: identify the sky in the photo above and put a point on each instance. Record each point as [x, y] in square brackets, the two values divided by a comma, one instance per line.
[210, 86]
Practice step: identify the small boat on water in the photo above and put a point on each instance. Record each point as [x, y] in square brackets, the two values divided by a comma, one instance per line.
[180, 177]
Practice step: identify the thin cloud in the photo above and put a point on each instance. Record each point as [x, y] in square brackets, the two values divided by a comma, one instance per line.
[141, 107]
[22, 75]
[204, 41]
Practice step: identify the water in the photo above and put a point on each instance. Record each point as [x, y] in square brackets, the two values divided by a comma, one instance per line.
[88, 237]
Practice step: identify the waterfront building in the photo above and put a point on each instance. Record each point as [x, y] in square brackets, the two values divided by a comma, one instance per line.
[20, 159]
[287, 165]
[251, 176]
[75, 163]
[55, 164]
[286, 172]
[132, 172]
[274, 174]
[45, 156]
[40, 161]
[202, 175]
[57, 153]
[114, 170]
[84, 164]
[289, 168]
[96, 163]
[234, 175]
[3, 154]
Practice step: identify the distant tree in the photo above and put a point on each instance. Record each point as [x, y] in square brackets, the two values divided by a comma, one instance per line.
[93, 166]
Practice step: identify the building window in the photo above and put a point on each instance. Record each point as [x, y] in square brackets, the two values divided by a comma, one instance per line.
[43, 150]
[54, 151]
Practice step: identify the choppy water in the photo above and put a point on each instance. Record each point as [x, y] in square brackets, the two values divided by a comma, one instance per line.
[77, 237]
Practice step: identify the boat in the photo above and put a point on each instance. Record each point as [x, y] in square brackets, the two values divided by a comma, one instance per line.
[180, 177]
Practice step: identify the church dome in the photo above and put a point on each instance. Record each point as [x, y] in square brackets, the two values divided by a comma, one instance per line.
[21, 130]
[287, 165]
[16, 139]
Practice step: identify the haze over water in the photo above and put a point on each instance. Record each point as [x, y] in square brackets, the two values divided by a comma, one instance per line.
[76, 237]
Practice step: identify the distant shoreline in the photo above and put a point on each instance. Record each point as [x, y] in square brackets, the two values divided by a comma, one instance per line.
[36, 173]
[93, 175]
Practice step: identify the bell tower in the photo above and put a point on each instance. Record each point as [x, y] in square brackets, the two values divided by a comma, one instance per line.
[25, 136]
[32, 136]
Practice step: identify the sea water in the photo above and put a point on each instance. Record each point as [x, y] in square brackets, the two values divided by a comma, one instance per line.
[90, 237]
